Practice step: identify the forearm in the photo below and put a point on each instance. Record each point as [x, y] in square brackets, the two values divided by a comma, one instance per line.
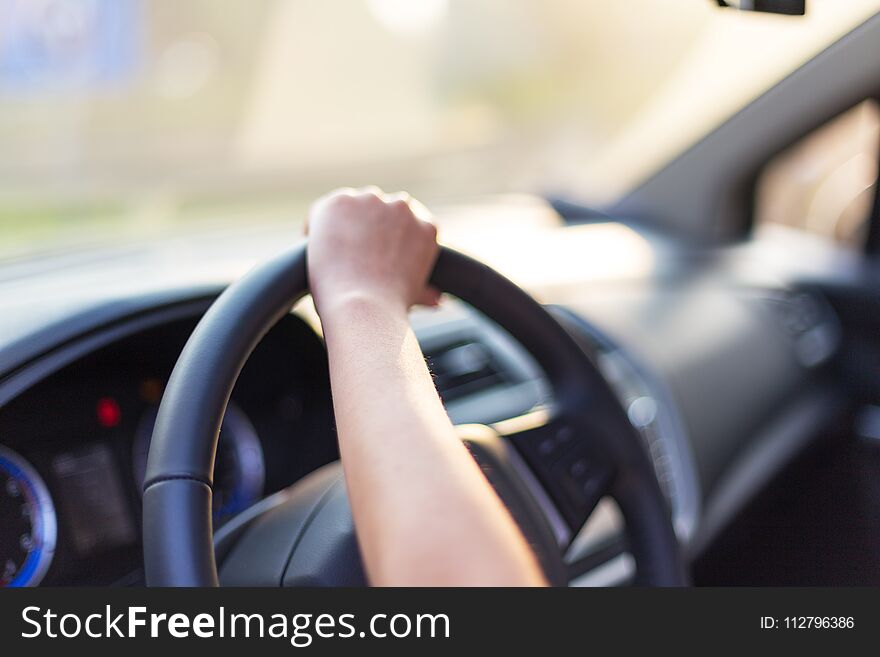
[424, 512]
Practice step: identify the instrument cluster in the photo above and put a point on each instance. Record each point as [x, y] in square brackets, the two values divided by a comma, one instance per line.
[73, 450]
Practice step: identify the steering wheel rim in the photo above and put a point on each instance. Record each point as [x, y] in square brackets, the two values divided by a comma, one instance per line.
[177, 525]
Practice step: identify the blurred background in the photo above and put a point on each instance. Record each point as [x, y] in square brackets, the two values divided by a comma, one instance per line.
[124, 119]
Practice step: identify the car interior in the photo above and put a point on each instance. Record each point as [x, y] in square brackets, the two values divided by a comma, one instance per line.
[673, 380]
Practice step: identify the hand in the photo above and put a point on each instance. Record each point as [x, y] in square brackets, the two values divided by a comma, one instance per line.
[368, 245]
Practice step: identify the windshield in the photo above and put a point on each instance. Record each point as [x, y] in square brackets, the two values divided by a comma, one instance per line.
[139, 117]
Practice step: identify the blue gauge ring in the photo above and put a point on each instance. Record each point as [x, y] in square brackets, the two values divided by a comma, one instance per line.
[44, 523]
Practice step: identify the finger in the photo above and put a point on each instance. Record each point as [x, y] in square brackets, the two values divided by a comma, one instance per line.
[430, 229]
[399, 196]
[339, 191]
[324, 199]
[370, 190]
[421, 211]
[430, 296]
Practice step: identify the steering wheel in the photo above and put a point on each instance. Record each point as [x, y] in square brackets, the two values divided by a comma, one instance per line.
[551, 466]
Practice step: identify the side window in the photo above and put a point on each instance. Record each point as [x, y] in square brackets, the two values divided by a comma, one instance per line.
[825, 183]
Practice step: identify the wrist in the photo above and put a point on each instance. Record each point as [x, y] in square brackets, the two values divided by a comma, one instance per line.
[358, 306]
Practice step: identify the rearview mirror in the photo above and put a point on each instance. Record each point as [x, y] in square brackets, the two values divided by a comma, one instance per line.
[788, 7]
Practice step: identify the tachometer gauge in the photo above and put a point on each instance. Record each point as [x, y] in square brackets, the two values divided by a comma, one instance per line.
[28, 526]
[239, 469]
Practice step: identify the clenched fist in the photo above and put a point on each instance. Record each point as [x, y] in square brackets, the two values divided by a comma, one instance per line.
[368, 245]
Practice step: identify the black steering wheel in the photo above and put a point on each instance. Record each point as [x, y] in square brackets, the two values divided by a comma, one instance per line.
[305, 535]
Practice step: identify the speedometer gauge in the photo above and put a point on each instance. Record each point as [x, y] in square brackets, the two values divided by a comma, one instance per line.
[28, 527]
[239, 469]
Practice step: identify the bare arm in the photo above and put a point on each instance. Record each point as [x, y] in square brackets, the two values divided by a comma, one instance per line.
[425, 514]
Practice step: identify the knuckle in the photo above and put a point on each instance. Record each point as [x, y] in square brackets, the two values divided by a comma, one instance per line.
[340, 200]
[400, 206]
[400, 196]
[371, 193]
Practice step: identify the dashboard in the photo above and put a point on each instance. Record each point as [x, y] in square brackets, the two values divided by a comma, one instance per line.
[75, 445]
[74, 449]
[724, 376]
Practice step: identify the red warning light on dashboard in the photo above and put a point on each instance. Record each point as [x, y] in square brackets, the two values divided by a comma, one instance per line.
[108, 412]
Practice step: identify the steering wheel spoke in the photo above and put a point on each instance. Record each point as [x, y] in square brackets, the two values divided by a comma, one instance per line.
[536, 514]
[571, 467]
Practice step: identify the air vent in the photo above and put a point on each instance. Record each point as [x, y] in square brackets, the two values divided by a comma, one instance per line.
[463, 368]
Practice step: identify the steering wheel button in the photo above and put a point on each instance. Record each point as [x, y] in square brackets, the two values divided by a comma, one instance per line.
[546, 447]
[578, 469]
[564, 435]
[592, 487]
